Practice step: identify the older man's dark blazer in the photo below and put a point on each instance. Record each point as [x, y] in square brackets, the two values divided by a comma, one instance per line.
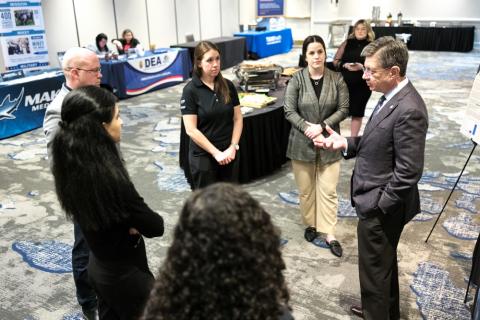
[389, 157]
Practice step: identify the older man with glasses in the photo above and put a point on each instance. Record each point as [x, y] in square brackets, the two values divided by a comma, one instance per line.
[389, 164]
[81, 68]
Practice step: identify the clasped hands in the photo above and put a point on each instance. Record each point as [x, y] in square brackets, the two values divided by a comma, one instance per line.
[226, 156]
[333, 142]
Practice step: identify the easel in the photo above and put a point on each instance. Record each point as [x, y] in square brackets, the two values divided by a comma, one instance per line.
[453, 189]
[445, 204]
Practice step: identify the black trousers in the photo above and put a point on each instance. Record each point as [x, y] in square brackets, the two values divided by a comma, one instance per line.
[205, 170]
[80, 253]
[122, 288]
[378, 238]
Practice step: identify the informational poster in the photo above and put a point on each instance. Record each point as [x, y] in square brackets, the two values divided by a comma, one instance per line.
[269, 8]
[22, 35]
[471, 120]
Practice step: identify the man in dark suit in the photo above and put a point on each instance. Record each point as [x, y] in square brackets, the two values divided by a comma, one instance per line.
[389, 164]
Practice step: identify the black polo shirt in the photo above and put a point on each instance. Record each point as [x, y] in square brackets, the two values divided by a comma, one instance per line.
[214, 117]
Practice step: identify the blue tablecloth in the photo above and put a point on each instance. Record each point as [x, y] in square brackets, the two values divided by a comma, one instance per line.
[134, 76]
[23, 102]
[267, 43]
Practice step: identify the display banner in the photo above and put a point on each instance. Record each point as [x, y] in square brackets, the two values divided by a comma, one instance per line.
[22, 35]
[156, 71]
[269, 8]
[471, 120]
[23, 103]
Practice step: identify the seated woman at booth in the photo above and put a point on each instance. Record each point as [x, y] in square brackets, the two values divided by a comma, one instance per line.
[128, 41]
[101, 46]
[95, 190]
[224, 262]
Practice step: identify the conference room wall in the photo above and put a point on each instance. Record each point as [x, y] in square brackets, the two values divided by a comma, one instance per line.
[443, 12]
[210, 21]
[417, 10]
[168, 21]
[229, 17]
[93, 17]
[60, 29]
[162, 23]
[132, 14]
[187, 19]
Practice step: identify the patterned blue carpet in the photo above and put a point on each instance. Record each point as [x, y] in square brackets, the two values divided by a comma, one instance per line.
[36, 239]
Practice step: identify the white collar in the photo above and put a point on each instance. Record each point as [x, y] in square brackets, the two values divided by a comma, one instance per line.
[389, 95]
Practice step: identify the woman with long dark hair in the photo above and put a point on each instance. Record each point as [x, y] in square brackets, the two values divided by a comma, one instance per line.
[101, 46]
[316, 97]
[94, 189]
[224, 262]
[212, 118]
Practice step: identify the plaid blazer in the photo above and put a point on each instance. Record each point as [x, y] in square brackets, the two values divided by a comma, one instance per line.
[301, 104]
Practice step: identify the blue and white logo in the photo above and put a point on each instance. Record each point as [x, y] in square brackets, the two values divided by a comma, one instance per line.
[273, 40]
[9, 106]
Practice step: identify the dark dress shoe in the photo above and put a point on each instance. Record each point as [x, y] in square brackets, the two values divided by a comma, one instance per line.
[357, 310]
[310, 234]
[335, 247]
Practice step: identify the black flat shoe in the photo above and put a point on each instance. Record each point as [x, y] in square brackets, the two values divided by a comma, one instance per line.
[310, 234]
[357, 310]
[335, 247]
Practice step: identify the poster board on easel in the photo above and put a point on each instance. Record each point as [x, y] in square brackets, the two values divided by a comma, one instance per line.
[471, 121]
[22, 35]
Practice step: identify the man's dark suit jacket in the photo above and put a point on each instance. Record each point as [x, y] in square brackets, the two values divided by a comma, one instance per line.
[390, 156]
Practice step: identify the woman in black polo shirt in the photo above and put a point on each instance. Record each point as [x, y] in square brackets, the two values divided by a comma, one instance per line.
[212, 118]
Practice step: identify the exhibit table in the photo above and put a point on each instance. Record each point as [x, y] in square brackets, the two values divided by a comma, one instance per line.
[232, 50]
[263, 143]
[155, 70]
[454, 38]
[23, 102]
[262, 44]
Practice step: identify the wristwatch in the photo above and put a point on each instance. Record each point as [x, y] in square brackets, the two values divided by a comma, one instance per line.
[236, 146]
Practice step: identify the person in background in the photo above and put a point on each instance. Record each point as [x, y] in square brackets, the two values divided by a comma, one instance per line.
[101, 46]
[81, 68]
[349, 61]
[384, 186]
[315, 97]
[126, 42]
[212, 119]
[95, 190]
[224, 262]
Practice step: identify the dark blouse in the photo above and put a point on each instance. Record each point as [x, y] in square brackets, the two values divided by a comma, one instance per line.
[317, 86]
[116, 243]
[352, 52]
[133, 44]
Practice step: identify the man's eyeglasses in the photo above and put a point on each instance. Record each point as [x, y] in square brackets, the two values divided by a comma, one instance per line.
[371, 72]
[95, 70]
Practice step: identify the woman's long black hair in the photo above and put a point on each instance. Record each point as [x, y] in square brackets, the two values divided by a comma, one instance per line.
[224, 262]
[90, 178]
[98, 38]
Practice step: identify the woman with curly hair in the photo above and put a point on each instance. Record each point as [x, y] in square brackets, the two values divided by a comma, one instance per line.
[95, 190]
[224, 262]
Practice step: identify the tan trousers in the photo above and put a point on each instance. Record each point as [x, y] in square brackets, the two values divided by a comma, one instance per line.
[317, 185]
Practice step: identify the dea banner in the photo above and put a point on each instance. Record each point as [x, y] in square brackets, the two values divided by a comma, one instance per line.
[154, 71]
